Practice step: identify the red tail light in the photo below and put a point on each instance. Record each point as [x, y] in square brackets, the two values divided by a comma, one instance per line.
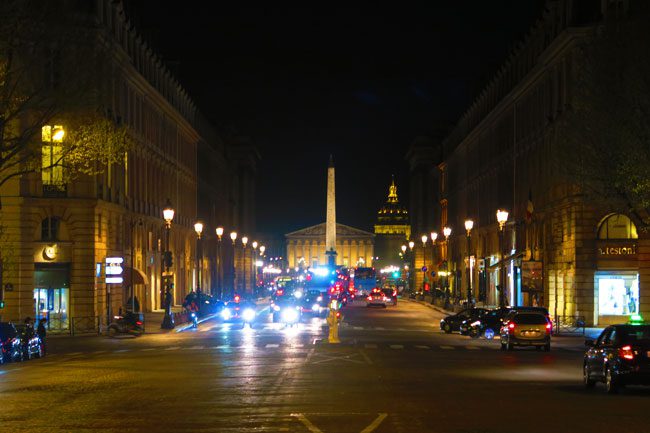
[237, 298]
[139, 323]
[626, 352]
[338, 315]
[511, 327]
[370, 298]
[548, 328]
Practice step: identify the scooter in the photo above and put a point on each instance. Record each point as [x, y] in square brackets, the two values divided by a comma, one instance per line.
[129, 323]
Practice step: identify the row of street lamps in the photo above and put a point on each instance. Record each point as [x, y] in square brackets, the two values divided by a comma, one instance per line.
[502, 218]
[168, 216]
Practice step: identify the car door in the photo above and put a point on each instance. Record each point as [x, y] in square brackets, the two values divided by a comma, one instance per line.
[458, 318]
[597, 353]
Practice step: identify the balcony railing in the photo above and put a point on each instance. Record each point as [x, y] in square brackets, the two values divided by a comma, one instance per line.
[54, 190]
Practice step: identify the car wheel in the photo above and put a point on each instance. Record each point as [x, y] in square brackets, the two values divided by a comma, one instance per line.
[588, 381]
[474, 333]
[611, 382]
[547, 347]
[446, 328]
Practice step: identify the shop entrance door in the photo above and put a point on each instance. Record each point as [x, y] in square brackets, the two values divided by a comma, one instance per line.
[51, 295]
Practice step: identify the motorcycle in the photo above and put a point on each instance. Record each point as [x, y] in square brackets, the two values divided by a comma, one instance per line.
[195, 319]
[478, 328]
[129, 324]
[248, 317]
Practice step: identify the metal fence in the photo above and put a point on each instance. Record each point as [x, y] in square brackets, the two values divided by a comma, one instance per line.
[569, 325]
[57, 325]
[85, 325]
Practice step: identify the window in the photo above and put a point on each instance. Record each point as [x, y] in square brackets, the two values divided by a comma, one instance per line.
[617, 226]
[51, 167]
[50, 229]
[618, 293]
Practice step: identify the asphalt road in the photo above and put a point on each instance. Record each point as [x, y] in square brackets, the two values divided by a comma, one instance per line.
[394, 372]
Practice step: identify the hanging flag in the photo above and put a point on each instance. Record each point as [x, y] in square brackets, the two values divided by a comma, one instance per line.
[529, 207]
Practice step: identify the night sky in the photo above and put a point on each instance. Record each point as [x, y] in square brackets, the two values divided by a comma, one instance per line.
[359, 82]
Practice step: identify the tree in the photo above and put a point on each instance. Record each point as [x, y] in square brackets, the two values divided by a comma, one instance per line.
[605, 135]
[51, 66]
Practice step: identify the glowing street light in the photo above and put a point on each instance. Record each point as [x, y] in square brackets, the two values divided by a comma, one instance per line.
[502, 217]
[233, 237]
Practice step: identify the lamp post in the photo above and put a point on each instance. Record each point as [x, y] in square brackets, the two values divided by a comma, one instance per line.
[502, 217]
[219, 231]
[434, 237]
[403, 255]
[411, 263]
[254, 263]
[447, 232]
[244, 241]
[469, 224]
[262, 249]
[233, 238]
[168, 319]
[198, 228]
[424, 239]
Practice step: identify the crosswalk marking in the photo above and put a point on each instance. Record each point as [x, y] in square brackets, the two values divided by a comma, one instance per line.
[148, 349]
[447, 347]
[121, 351]
[472, 348]
[358, 328]
[223, 346]
[422, 347]
[173, 348]
[396, 346]
[196, 347]
[379, 328]
[272, 346]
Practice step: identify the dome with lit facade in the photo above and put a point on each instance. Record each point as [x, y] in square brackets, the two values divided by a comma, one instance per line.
[392, 216]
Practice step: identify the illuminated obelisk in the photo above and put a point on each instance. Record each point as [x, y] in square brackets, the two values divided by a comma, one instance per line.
[330, 223]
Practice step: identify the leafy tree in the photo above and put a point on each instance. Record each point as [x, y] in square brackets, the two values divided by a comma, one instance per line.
[51, 66]
[605, 134]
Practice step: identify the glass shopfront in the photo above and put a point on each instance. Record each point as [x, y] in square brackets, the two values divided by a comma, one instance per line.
[51, 294]
[617, 293]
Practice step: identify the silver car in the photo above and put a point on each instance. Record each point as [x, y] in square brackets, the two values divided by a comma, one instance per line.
[526, 329]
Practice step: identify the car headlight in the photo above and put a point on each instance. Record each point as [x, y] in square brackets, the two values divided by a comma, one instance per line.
[477, 323]
[226, 314]
[248, 314]
[276, 308]
[297, 295]
[289, 314]
[315, 307]
[319, 299]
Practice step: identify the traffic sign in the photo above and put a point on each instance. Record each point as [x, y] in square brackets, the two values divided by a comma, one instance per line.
[424, 268]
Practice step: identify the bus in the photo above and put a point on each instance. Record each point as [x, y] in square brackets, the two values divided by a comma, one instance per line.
[365, 279]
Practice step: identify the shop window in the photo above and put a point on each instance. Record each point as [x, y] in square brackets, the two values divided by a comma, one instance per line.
[52, 160]
[50, 229]
[618, 293]
[617, 226]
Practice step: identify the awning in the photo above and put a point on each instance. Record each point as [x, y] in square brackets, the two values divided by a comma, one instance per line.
[128, 273]
[507, 259]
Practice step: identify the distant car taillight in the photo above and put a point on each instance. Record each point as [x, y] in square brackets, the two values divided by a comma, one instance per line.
[511, 327]
[139, 323]
[626, 352]
[370, 298]
[548, 328]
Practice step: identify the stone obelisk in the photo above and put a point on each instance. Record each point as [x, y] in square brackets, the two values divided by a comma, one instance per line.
[330, 223]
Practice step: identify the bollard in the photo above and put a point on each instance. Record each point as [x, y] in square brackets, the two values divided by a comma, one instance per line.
[333, 319]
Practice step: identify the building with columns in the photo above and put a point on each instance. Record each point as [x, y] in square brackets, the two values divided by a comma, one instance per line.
[392, 230]
[306, 247]
[558, 247]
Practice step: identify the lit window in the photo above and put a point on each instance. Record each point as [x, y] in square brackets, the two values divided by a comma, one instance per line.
[617, 226]
[51, 166]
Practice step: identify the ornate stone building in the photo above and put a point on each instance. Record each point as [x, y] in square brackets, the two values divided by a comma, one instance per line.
[392, 230]
[63, 234]
[306, 247]
[578, 257]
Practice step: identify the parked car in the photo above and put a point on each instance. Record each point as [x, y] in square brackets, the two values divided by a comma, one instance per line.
[453, 321]
[526, 329]
[12, 346]
[487, 324]
[620, 356]
[31, 343]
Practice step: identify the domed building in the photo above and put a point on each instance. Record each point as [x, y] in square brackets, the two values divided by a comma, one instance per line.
[391, 231]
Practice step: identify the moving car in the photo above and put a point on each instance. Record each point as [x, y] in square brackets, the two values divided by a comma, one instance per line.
[377, 298]
[391, 294]
[314, 303]
[287, 310]
[453, 321]
[239, 311]
[31, 342]
[526, 329]
[487, 324]
[620, 356]
[510, 311]
[12, 346]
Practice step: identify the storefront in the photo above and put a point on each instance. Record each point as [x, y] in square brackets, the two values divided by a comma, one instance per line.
[51, 292]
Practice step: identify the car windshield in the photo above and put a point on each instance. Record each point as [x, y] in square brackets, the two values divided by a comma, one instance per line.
[634, 334]
[529, 319]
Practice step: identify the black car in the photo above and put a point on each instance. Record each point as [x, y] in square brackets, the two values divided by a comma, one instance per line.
[452, 322]
[620, 356]
[12, 346]
[31, 342]
[287, 310]
[487, 324]
[314, 303]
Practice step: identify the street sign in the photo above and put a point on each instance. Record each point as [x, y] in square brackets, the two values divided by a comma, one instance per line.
[424, 268]
[433, 273]
[114, 270]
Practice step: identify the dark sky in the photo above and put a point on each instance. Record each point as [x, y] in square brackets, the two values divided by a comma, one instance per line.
[359, 82]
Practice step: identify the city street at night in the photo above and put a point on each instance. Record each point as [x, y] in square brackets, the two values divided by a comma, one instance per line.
[394, 371]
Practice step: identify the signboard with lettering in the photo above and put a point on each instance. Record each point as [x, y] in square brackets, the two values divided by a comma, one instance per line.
[611, 250]
[114, 270]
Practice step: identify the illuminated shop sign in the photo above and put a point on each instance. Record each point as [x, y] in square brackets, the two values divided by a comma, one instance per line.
[605, 251]
[114, 270]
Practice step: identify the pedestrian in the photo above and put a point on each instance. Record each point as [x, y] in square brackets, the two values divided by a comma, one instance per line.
[28, 322]
[41, 331]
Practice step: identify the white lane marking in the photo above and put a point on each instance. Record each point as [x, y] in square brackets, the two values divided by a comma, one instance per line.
[423, 347]
[370, 346]
[196, 348]
[298, 345]
[121, 351]
[379, 328]
[447, 347]
[472, 348]
[148, 349]
[96, 352]
[396, 346]
[303, 419]
[173, 348]
[358, 328]
[272, 346]
[373, 425]
[223, 346]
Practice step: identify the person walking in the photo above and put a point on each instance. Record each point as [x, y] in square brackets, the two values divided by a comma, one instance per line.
[41, 331]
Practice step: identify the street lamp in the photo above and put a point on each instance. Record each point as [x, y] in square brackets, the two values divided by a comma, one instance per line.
[244, 241]
[233, 238]
[262, 249]
[502, 218]
[198, 228]
[434, 237]
[424, 239]
[253, 262]
[469, 224]
[219, 231]
[447, 232]
[168, 319]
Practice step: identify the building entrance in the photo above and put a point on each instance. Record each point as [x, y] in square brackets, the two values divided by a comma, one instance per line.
[51, 294]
